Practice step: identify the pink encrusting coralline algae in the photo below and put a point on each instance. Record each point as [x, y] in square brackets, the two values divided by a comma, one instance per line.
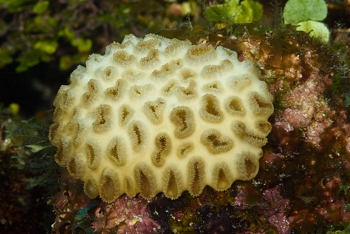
[308, 108]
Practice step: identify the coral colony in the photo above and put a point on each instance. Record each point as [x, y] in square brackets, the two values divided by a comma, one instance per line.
[160, 115]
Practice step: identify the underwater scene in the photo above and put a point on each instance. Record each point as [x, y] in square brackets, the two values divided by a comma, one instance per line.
[175, 116]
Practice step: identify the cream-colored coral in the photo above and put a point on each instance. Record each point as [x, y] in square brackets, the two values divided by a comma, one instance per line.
[158, 115]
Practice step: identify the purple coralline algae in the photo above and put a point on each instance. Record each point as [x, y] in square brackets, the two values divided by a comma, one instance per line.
[274, 207]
